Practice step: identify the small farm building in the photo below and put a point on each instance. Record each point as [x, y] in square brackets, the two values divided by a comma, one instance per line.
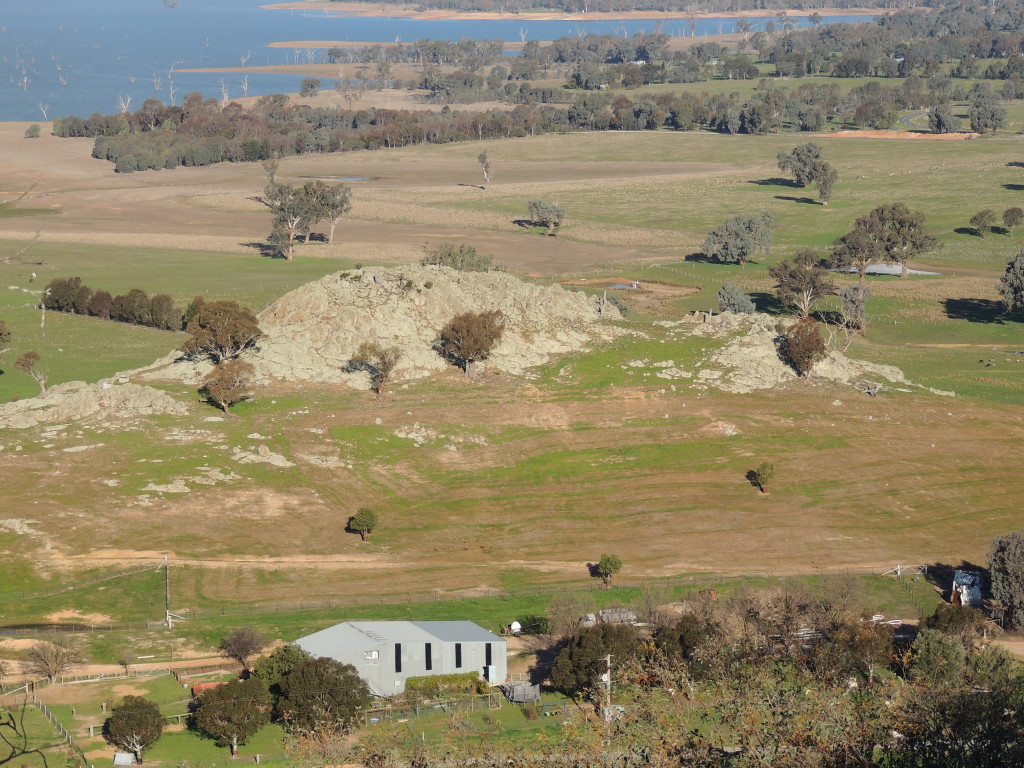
[966, 588]
[387, 653]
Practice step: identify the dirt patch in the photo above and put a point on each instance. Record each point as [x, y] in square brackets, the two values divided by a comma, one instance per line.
[78, 617]
[646, 296]
[897, 135]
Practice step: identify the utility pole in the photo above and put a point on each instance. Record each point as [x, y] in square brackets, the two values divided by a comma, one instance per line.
[168, 616]
[608, 688]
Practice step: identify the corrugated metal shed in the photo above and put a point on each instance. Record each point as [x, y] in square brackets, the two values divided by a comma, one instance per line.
[967, 589]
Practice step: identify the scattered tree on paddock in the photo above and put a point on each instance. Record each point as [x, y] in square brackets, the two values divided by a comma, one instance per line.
[607, 567]
[1006, 571]
[762, 476]
[134, 725]
[731, 298]
[228, 383]
[233, 712]
[738, 238]
[942, 119]
[802, 346]
[5, 337]
[987, 114]
[982, 221]
[220, 330]
[363, 522]
[51, 659]
[1011, 285]
[799, 161]
[310, 87]
[292, 216]
[801, 283]
[28, 363]
[545, 215]
[329, 202]
[485, 168]
[242, 644]
[470, 337]
[854, 300]
[379, 361]
[808, 167]
[1012, 217]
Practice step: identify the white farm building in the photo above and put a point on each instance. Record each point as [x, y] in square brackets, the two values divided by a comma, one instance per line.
[387, 653]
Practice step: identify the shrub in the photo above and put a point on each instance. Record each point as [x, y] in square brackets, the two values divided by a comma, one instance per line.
[802, 346]
[731, 298]
[33, 131]
[463, 258]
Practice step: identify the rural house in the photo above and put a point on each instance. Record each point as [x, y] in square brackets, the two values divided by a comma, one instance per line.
[387, 653]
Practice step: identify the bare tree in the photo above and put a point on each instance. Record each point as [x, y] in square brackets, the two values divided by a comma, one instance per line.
[51, 659]
[566, 612]
[380, 362]
[485, 168]
[243, 643]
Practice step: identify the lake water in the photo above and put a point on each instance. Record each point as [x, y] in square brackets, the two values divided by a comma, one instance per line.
[76, 57]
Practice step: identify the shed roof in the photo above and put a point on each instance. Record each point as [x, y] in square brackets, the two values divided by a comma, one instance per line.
[356, 635]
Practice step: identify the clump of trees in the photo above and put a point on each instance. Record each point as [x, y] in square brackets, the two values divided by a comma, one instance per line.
[297, 210]
[738, 238]
[543, 214]
[464, 258]
[731, 298]
[470, 337]
[888, 234]
[321, 695]
[135, 307]
[809, 167]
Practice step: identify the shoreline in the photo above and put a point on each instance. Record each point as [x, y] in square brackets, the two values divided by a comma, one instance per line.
[382, 10]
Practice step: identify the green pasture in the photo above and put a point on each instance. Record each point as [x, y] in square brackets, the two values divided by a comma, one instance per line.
[77, 348]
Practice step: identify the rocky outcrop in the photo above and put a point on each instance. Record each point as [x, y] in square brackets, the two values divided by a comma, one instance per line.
[749, 360]
[312, 333]
[76, 400]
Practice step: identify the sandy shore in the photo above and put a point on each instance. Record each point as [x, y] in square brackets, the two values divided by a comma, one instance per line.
[412, 12]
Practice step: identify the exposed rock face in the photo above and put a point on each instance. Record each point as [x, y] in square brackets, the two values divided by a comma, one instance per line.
[750, 360]
[313, 332]
[76, 400]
